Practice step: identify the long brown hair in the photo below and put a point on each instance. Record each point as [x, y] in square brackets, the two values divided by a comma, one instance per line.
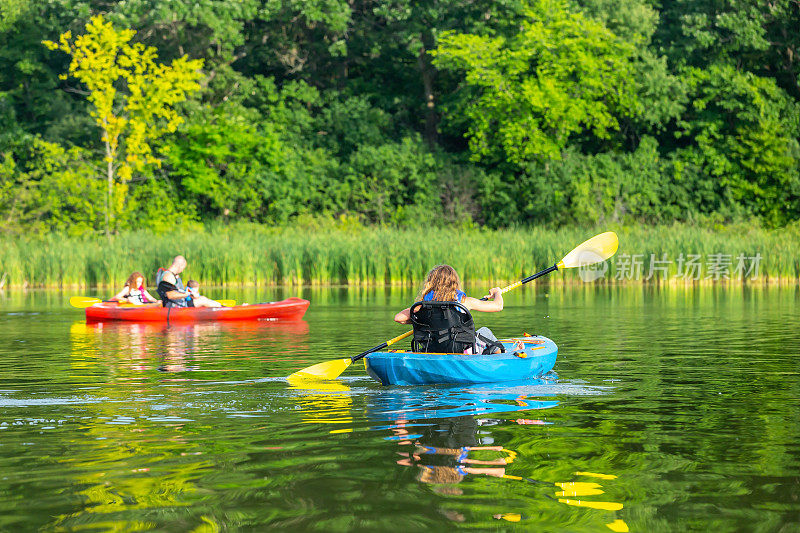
[439, 474]
[443, 280]
[132, 280]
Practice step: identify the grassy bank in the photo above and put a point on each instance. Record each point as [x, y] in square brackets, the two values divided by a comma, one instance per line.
[253, 254]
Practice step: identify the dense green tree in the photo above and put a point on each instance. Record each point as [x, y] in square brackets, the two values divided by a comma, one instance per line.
[742, 131]
[761, 37]
[227, 166]
[661, 93]
[133, 98]
[406, 112]
[561, 74]
[31, 90]
[43, 187]
[408, 31]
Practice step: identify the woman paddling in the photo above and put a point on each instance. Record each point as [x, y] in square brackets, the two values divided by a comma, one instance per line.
[134, 291]
[443, 284]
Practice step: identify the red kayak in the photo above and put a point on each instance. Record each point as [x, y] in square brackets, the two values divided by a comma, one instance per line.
[289, 309]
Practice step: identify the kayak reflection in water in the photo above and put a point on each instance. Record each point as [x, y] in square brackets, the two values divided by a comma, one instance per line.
[134, 291]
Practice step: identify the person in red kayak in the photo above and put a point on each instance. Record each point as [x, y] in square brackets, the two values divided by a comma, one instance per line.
[170, 286]
[198, 300]
[134, 291]
[442, 284]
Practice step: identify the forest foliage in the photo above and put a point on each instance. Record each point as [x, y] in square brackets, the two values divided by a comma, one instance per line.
[399, 112]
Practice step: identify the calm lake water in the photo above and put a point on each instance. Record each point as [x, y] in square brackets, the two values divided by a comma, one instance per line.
[669, 410]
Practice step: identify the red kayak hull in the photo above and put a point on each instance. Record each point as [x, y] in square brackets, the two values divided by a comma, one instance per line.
[289, 309]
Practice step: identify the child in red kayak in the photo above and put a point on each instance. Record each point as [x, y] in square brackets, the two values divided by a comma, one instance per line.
[444, 285]
[134, 291]
[193, 288]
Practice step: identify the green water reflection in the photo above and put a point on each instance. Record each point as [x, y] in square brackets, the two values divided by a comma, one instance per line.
[671, 410]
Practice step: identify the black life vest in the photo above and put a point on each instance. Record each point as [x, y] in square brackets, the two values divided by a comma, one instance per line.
[163, 287]
[442, 327]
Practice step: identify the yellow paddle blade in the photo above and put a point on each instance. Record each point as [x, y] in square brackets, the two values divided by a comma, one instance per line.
[510, 517]
[227, 303]
[597, 249]
[578, 492]
[595, 474]
[82, 302]
[576, 489]
[603, 506]
[578, 485]
[511, 455]
[326, 370]
[618, 525]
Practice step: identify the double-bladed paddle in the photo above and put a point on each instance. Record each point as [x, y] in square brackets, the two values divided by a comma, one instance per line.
[595, 250]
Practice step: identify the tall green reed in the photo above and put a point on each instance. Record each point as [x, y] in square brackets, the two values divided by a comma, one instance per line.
[293, 255]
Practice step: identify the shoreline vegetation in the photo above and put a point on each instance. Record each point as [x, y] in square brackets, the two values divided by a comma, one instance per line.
[354, 255]
[116, 117]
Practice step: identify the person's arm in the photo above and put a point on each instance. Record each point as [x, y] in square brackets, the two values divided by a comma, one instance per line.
[404, 316]
[122, 295]
[174, 294]
[149, 297]
[488, 306]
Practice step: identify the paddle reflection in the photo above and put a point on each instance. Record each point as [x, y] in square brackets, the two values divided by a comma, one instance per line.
[324, 402]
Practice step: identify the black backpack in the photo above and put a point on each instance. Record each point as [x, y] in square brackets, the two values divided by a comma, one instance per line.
[441, 327]
[444, 327]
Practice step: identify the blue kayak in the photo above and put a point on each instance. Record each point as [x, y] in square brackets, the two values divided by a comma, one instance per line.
[398, 367]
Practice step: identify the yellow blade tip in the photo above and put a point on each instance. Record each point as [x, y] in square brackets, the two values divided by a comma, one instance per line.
[597, 475]
[509, 517]
[618, 525]
[603, 506]
[595, 250]
[326, 370]
[83, 301]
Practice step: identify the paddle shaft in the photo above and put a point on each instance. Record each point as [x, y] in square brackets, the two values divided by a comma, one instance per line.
[408, 333]
[381, 346]
[526, 280]
[82, 302]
